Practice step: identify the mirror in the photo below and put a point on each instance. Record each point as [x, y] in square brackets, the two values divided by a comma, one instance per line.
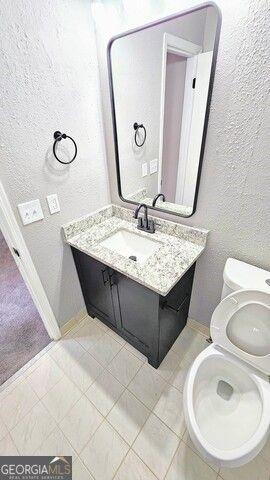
[161, 78]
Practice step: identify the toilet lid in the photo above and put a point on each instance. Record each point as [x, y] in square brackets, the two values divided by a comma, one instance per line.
[241, 325]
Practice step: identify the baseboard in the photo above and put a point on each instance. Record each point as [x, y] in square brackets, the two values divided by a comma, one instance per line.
[199, 327]
[73, 321]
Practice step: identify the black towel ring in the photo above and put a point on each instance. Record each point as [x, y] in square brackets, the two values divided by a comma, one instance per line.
[136, 127]
[57, 138]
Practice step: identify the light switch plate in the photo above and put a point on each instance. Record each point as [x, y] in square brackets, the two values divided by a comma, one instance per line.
[153, 166]
[53, 203]
[144, 169]
[30, 211]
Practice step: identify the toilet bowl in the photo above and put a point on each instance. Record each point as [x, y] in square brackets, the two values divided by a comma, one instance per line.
[227, 389]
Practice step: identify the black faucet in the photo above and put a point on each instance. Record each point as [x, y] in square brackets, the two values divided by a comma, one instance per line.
[144, 223]
[159, 195]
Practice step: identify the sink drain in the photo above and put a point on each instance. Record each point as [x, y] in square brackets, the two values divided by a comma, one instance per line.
[133, 257]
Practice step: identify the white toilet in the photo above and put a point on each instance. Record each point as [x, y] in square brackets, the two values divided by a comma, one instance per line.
[227, 389]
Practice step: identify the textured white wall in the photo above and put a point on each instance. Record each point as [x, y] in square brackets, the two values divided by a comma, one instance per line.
[234, 195]
[49, 81]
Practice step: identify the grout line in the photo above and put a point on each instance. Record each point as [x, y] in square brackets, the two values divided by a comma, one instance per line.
[197, 453]
[103, 418]
[19, 375]
[83, 393]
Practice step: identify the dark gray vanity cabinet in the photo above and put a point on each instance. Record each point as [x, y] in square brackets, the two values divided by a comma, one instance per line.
[148, 321]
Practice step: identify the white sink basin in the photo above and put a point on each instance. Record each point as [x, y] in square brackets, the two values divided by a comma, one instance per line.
[130, 244]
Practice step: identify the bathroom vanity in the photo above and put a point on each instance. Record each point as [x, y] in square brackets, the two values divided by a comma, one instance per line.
[145, 301]
[147, 320]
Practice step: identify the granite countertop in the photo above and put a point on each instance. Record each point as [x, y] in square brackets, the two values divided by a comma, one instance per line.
[141, 197]
[168, 206]
[180, 246]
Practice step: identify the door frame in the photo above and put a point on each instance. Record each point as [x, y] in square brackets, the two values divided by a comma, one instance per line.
[194, 129]
[24, 262]
[184, 48]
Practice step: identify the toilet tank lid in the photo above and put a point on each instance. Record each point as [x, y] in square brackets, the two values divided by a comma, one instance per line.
[240, 275]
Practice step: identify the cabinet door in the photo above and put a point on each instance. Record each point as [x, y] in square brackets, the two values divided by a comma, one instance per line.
[96, 286]
[138, 314]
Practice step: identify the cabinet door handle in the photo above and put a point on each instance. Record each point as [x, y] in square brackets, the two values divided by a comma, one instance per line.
[105, 280]
[113, 279]
[165, 305]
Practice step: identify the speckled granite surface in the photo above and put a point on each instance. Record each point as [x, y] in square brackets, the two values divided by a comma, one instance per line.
[141, 197]
[181, 246]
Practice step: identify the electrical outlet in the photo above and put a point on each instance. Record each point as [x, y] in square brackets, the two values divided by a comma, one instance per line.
[153, 166]
[30, 211]
[53, 203]
[144, 169]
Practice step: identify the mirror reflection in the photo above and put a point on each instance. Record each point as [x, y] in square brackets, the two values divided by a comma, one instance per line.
[160, 80]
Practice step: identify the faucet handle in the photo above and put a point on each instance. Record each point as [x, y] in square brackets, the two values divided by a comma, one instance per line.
[151, 226]
[140, 222]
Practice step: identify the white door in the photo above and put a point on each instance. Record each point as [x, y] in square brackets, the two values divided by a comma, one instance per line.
[192, 126]
[184, 48]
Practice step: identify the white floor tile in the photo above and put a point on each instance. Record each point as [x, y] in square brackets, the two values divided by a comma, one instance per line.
[186, 438]
[88, 334]
[104, 392]
[17, 404]
[133, 468]
[105, 349]
[7, 446]
[61, 398]
[45, 376]
[147, 386]
[128, 416]
[32, 430]
[124, 366]
[265, 452]
[168, 365]
[100, 324]
[56, 444]
[257, 469]
[7, 387]
[81, 423]
[170, 410]
[179, 376]
[186, 465]
[66, 352]
[79, 471]
[84, 371]
[116, 337]
[156, 445]
[189, 343]
[104, 453]
[136, 352]
[3, 429]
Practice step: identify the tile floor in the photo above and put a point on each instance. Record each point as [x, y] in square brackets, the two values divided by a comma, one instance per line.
[93, 396]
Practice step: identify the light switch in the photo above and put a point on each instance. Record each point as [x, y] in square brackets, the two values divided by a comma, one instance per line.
[30, 211]
[153, 166]
[53, 203]
[144, 169]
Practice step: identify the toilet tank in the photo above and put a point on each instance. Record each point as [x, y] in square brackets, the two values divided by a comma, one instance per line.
[239, 275]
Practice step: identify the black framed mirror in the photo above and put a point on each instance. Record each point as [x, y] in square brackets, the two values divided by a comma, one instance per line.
[161, 79]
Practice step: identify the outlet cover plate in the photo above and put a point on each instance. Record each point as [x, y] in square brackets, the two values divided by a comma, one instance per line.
[144, 169]
[153, 166]
[53, 203]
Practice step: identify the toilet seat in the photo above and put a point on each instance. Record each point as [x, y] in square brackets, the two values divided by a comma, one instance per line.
[227, 390]
[241, 325]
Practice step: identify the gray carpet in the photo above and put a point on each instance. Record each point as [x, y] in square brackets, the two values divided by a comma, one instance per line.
[22, 333]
